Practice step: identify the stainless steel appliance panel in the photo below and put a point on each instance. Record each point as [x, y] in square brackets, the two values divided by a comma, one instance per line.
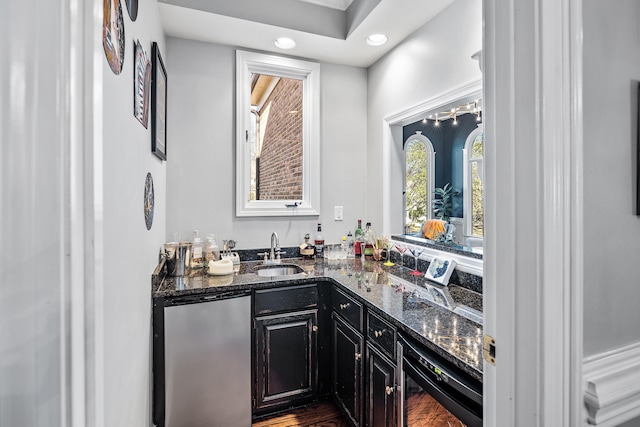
[208, 363]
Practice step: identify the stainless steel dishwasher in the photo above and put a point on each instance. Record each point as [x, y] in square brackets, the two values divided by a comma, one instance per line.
[208, 360]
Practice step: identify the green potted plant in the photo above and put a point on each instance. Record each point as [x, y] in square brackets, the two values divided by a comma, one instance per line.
[442, 202]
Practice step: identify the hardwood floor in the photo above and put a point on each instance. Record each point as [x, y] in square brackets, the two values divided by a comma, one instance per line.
[425, 411]
[324, 414]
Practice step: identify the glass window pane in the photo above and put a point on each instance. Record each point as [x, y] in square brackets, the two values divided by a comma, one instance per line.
[477, 195]
[478, 146]
[416, 186]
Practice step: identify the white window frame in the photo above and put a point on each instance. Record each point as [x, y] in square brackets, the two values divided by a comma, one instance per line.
[248, 63]
[466, 175]
[431, 174]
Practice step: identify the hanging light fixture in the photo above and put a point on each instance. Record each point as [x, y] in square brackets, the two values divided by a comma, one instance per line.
[469, 108]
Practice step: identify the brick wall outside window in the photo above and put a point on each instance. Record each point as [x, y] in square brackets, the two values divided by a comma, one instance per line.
[280, 173]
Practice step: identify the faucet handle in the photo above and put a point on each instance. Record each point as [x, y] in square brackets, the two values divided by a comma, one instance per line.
[279, 251]
[264, 254]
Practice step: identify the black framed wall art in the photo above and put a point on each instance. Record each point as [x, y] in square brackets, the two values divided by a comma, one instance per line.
[158, 104]
[141, 84]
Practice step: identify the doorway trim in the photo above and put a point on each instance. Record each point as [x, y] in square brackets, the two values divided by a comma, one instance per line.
[534, 204]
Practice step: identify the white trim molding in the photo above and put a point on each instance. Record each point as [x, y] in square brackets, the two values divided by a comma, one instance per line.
[612, 386]
[533, 199]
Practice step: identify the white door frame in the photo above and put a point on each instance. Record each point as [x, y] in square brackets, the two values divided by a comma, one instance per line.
[533, 242]
[86, 326]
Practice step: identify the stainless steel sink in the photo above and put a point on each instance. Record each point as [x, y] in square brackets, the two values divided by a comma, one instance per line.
[278, 270]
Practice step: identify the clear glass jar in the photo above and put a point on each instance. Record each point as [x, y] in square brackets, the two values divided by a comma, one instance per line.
[211, 249]
[197, 251]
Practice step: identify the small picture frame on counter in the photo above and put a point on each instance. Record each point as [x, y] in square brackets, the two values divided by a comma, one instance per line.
[440, 270]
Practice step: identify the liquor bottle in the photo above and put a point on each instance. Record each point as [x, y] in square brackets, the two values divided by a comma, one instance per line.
[307, 250]
[358, 235]
[319, 241]
[369, 240]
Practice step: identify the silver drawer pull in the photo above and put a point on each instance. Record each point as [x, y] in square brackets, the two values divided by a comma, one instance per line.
[378, 334]
[389, 390]
[343, 306]
[315, 328]
[358, 356]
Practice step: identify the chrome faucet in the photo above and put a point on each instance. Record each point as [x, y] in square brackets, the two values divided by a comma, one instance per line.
[275, 249]
[274, 254]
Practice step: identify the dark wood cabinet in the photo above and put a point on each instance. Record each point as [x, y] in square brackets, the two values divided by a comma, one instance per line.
[286, 358]
[286, 331]
[381, 390]
[347, 364]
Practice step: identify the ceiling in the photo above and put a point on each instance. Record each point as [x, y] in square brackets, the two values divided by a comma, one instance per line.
[324, 30]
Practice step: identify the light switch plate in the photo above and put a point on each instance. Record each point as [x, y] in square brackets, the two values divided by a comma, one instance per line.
[338, 213]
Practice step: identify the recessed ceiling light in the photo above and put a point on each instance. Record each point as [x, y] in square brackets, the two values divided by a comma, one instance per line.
[377, 39]
[284, 43]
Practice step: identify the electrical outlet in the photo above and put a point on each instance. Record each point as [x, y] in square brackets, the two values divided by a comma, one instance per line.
[338, 213]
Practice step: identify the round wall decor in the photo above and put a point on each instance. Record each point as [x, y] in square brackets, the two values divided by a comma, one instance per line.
[113, 34]
[148, 201]
[132, 7]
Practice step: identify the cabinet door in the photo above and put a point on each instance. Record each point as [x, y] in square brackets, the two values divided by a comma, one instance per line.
[347, 368]
[381, 391]
[286, 358]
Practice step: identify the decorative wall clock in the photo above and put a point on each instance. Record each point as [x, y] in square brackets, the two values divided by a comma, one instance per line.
[148, 201]
[113, 34]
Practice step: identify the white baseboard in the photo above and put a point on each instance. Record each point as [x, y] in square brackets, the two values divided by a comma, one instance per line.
[612, 386]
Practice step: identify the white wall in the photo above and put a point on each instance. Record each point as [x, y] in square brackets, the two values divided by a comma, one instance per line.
[201, 141]
[130, 251]
[33, 201]
[433, 60]
[612, 230]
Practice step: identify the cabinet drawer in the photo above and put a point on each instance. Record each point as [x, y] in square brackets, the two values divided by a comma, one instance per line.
[382, 334]
[348, 308]
[291, 298]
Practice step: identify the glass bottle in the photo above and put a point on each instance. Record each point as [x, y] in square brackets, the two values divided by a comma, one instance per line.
[358, 235]
[369, 240]
[307, 250]
[350, 248]
[211, 249]
[319, 241]
[197, 251]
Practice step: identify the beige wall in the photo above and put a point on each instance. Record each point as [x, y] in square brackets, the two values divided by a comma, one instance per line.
[201, 170]
[611, 227]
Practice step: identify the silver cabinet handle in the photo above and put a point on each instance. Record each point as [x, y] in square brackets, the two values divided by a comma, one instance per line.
[378, 334]
[358, 356]
[389, 390]
[314, 328]
[343, 306]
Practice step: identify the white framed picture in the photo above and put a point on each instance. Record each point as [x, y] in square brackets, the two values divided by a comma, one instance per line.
[440, 270]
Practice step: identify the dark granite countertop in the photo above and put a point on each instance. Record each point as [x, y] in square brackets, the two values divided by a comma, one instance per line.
[437, 316]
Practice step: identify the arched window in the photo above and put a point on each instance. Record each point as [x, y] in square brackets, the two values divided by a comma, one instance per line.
[419, 180]
[473, 155]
